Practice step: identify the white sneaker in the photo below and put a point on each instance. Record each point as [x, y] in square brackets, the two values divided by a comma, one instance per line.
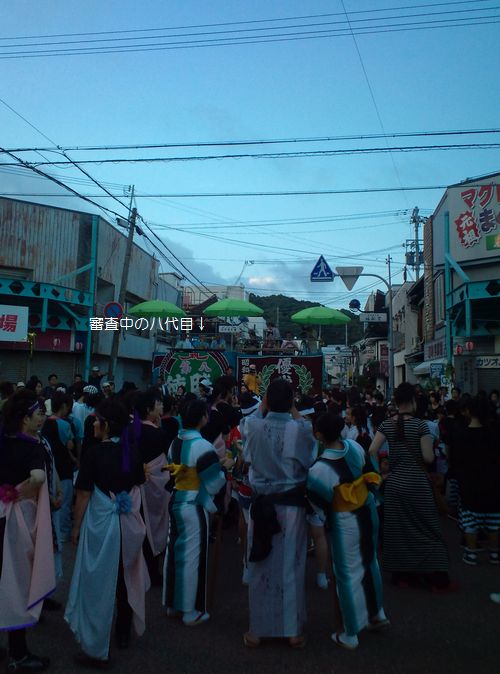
[495, 596]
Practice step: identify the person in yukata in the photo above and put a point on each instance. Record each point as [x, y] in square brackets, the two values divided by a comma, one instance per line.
[338, 489]
[279, 448]
[196, 477]
[25, 529]
[109, 531]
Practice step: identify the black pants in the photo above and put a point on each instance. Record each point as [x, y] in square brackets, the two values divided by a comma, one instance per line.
[124, 613]
[152, 563]
[17, 644]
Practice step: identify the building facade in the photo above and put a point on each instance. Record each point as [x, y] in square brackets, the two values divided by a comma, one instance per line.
[462, 284]
[65, 266]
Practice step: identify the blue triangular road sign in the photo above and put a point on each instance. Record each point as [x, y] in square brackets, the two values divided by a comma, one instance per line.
[322, 271]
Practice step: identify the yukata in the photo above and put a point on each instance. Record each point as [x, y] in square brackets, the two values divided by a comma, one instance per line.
[155, 498]
[337, 488]
[109, 561]
[52, 484]
[27, 574]
[196, 478]
[279, 450]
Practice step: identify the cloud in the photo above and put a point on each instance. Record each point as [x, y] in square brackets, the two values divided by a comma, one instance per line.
[262, 281]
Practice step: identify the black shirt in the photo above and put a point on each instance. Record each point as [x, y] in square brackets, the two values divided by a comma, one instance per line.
[64, 463]
[18, 457]
[170, 427]
[477, 469]
[152, 443]
[102, 467]
[222, 419]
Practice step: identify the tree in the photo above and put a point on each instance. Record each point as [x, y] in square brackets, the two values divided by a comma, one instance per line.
[289, 305]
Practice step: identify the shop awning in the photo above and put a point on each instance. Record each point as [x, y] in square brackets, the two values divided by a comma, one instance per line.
[425, 367]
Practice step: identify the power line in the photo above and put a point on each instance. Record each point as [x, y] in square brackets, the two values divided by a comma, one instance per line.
[372, 95]
[60, 183]
[276, 38]
[286, 193]
[64, 153]
[348, 21]
[250, 244]
[208, 293]
[248, 22]
[273, 155]
[262, 141]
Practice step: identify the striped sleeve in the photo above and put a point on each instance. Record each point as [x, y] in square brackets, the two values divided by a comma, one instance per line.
[212, 478]
[321, 480]
[209, 471]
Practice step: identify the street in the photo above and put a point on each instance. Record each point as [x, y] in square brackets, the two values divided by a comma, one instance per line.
[457, 633]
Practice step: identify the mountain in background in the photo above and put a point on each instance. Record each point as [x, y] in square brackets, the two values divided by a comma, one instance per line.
[279, 308]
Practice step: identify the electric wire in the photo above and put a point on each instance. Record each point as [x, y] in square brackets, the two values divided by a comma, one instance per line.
[447, 22]
[221, 43]
[247, 22]
[272, 155]
[258, 141]
[282, 193]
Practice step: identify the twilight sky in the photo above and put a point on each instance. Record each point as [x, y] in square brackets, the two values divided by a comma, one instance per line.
[197, 73]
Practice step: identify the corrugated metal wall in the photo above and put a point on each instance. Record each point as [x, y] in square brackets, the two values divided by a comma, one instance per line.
[38, 238]
[143, 272]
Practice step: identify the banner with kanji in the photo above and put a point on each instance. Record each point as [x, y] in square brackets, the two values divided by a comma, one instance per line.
[13, 323]
[474, 221]
[305, 373]
[187, 368]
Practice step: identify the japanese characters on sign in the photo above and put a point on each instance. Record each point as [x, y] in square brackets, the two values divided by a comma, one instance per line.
[13, 323]
[303, 372]
[435, 349]
[478, 215]
[188, 368]
[127, 323]
[487, 362]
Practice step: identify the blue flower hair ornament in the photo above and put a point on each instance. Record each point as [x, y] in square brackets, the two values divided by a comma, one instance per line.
[123, 503]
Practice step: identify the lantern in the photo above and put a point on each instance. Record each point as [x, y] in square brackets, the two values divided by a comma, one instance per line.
[56, 342]
[469, 346]
[78, 346]
[458, 350]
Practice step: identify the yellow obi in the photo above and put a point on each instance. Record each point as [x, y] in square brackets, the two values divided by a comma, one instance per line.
[186, 478]
[352, 495]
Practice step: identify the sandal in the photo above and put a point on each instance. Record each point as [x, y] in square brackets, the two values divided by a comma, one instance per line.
[251, 641]
[297, 643]
[336, 638]
[202, 617]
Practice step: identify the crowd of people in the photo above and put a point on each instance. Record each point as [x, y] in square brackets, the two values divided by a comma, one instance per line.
[140, 481]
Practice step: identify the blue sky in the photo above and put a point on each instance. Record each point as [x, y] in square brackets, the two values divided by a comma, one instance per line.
[422, 80]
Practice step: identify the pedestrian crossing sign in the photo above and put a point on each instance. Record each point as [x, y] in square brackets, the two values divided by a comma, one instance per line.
[322, 271]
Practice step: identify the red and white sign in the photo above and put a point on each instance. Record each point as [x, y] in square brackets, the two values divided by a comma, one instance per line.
[13, 323]
[474, 220]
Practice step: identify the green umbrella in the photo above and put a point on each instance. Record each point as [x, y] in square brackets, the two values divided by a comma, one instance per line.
[157, 309]
[233, 307]
[320, 316]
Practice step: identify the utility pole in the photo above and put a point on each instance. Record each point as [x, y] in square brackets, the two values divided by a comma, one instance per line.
[413, 246]
[416, 223]
[390, 332]
[124, 280]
